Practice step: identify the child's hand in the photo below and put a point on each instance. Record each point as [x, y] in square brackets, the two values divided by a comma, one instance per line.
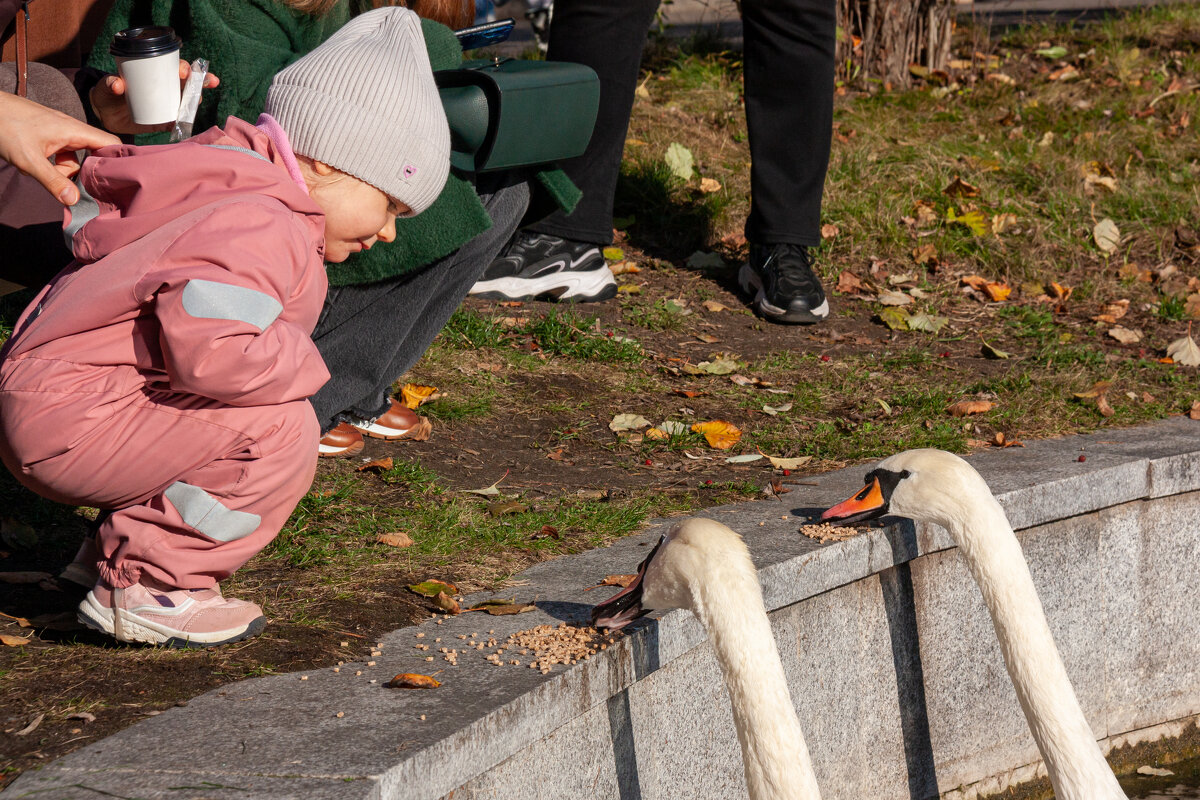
[108, 101]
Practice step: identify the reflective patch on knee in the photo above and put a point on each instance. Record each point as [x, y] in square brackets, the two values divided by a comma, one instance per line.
[206, 513]
[211, 300]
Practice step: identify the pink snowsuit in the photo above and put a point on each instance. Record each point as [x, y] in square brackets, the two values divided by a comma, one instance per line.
[164, 374]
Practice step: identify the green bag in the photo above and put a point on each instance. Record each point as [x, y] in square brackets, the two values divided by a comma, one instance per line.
[508, 112]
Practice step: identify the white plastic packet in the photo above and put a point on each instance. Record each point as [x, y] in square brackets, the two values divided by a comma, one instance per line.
[190, 101]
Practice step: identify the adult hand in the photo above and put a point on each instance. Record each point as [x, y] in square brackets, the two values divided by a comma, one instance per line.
[30, 134]
[108, 101]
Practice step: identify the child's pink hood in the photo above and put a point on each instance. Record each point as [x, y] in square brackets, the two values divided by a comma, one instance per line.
[138, 195]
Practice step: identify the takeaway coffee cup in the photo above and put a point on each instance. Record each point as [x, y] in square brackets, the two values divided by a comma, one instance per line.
[148, 60]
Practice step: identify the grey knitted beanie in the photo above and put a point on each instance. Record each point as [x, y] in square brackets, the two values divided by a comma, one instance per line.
[365, 102]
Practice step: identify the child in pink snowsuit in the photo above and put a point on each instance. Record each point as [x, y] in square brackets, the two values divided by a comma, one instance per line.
[163, 376]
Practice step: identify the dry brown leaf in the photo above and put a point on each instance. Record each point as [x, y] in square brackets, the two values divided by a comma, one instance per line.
[1184, 351]
[378, 465]
[1058, 291]
[1125, 335]
[414, 394]
[1000, 440]
[1002, 222]
[24, 623]
[964, 407]
[926, 254]
[624, 268]
[411, 680]
[1194, 411]
[927, 215]
[422, 431]
[829, 231]
[547, 532]
[394, 539]
[502, 608]
[719, 434]
[615, 580]
[1103, 407]
[657, 434]
[32, 726]
[707, 338]
[849, 283]
[1099, 389]
[446, 603]
[1112, 312]
[714, 306]
[710, 185]
[976, 282]
[960, 188]
[13, 641]
[688, 393]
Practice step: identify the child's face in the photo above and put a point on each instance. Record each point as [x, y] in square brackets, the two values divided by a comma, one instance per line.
[356, 215]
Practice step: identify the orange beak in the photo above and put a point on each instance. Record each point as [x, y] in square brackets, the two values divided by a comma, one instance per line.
[866, 504]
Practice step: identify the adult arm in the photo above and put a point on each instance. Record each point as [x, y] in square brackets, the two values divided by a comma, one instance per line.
[31, 134]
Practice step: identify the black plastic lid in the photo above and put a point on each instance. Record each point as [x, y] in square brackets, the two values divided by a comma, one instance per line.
[145, 42]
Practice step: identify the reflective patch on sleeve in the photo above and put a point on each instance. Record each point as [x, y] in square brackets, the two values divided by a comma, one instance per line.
[83, 212]
[212, 300]
[206, 514]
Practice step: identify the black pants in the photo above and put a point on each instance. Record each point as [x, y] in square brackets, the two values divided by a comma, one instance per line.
[371, 334]
[789, 64]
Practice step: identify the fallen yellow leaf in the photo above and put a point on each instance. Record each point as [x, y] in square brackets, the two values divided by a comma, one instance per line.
[998, 292]
[410, 680]
[719, 434]
[414, 394]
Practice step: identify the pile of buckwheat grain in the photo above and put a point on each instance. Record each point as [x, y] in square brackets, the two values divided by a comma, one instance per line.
[562, 644]
[828, 532]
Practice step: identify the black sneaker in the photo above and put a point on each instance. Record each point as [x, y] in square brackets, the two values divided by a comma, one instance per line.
[780, 279]
[539, 266]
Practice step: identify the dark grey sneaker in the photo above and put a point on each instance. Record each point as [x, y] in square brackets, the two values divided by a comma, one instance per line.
[536, 265]
[780, 280]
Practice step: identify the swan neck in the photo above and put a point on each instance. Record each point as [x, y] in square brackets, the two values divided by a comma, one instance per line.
[1076, 766]
[774, 753]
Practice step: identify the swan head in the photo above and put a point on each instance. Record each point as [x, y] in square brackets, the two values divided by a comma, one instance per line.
[692, 551]
[927, 485]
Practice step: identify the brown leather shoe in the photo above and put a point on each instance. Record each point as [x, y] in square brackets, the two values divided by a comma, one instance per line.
[343, 440]
[400, 422]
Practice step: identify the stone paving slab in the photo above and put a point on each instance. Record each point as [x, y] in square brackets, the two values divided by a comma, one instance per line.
[280, 737]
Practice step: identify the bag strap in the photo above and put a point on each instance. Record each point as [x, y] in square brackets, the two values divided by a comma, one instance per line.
[23, 49]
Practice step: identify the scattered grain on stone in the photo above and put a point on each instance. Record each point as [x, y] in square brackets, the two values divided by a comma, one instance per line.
[370, 663]
[420, 636]
[358, 672]
[828, 532]
[561, 644]
[429, 658]
[340, 714]
[303, 677]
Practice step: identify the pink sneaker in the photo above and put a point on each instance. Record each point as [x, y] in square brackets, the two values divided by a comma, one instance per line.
[175, 618]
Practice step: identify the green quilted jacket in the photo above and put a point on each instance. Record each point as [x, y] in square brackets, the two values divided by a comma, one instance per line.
[246, 42]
